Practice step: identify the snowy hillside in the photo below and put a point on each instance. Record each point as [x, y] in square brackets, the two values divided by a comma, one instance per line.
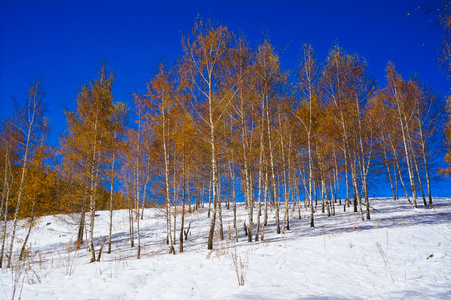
[402, 253]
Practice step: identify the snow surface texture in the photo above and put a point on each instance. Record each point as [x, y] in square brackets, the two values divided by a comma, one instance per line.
[402, 253]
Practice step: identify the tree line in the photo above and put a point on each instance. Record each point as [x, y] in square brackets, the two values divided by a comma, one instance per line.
[225, 123]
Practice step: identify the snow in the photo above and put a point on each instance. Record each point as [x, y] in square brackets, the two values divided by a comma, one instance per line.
[402, 253]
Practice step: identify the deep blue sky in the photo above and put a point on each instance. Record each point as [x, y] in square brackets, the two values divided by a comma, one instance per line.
[63, 42]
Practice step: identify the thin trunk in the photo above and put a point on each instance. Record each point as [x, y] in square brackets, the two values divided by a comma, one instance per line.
[260, 175]
[248, 197]
[407, 154]
[389, 172]
[182, 218]
[357, 197]
[425, 160]
[143, 198]
[265, 195]
[312, 211]
[337, 179]
[92, 191]
[284, 178]
[219, 203]
[310, 165]
[5, 202]
[81, 227]
[333, 196]
[348, 195]
[19, 197]
[232, 178]
[415, 163]
[298, 193]
[420, 183]
[324, 195]
[364, 165]
[24, 245]
[395, 157]
[214, 179]
[167, 187]
[273, 176]
[259, 214]
[188, 196]
[260, 184]
[138, 235]
[111, 204]
[396, 182]
[131, 223]
[5, 223]
[175, 202]
[5, 184]
[138, 188]
[210, 189]
[426, 169]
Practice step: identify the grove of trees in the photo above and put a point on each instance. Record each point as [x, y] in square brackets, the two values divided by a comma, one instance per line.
[224, 124]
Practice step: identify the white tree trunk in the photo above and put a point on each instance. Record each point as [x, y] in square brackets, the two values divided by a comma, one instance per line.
[31, 124]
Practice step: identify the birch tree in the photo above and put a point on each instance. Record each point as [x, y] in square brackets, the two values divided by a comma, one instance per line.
[114, 149]
[203, 58]
[9, 140]
[307, 111]
[268, 79]
[32, 126]
[397, 93]
[160, 100]
[86, 139]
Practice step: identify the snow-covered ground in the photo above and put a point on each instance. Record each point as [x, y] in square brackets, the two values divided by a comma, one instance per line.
[402, 253]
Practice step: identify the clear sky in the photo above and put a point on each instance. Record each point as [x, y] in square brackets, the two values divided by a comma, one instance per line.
[63, 42]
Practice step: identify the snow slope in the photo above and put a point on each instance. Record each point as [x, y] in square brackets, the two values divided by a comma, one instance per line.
[402, 253]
